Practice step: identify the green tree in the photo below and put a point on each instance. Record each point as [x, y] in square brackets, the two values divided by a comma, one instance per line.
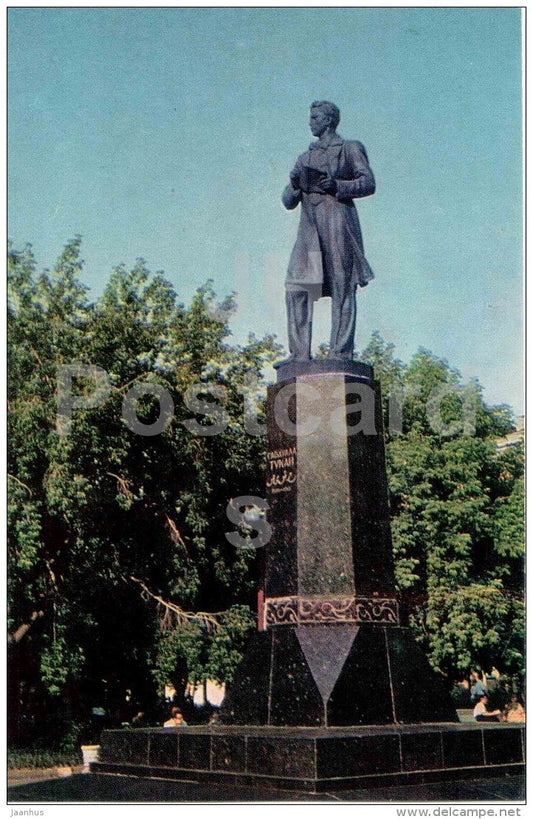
[104, 522]
[457, 515]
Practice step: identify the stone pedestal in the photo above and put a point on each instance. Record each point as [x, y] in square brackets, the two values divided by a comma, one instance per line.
[315, 759]
[331, 650]
[333, 691]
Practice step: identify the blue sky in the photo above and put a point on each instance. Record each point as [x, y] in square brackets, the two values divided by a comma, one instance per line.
[168, 134]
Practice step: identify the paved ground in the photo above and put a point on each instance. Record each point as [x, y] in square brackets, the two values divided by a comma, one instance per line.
[103, 788]
[24, 776]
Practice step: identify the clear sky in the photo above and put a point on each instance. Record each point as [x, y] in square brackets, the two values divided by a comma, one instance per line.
[168, 134]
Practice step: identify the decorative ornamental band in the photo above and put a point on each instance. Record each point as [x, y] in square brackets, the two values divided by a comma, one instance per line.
[286, 611]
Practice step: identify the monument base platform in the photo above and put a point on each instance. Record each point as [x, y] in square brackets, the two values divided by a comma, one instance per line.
[315, 759]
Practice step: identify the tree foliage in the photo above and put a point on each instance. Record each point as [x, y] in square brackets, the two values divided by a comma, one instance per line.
[103, 522]
[457, 515]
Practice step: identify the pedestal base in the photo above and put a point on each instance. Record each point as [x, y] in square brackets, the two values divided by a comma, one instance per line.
[315, 759]
[335, 675]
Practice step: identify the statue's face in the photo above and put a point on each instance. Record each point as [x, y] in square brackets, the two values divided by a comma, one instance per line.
[318, 122]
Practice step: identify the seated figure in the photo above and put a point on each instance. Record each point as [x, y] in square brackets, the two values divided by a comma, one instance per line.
[482, 714]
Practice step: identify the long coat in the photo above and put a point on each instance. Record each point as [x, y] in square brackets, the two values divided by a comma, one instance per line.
[329, 243]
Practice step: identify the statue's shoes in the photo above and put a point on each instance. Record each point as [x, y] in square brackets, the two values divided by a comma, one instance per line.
[290, 360]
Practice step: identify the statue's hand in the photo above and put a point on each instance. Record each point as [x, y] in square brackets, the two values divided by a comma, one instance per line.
[328, 185]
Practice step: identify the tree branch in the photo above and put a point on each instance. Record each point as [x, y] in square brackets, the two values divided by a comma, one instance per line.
[176, 536]
[175, 615]
[45, 376]
[14, 477]
[16, 636]
[123, 484]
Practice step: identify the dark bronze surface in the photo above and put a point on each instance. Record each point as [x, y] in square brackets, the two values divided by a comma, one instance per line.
[328, 256]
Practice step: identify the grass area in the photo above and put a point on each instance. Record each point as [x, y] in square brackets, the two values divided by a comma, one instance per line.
[18, 759]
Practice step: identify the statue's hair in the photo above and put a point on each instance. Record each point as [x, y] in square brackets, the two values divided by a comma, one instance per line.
[330, 109]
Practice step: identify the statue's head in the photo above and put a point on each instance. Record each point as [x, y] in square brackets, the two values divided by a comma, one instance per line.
[329, 109]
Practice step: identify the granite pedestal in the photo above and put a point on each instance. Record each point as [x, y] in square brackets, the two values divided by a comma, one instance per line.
[333, 690]
[315, 759]
[331, 650]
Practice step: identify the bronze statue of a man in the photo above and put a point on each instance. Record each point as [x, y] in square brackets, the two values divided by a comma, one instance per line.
[328, 257]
